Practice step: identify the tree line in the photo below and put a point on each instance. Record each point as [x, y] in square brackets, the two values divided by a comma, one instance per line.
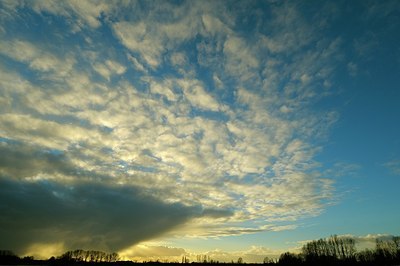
[334, 250]
[80, 255]
[342, 251]
[77, 256]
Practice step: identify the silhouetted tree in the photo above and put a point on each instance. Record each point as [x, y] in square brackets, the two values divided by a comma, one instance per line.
[366, 257]
[80, 255]
[288, 258]
[268, 260]
[112, 257]
[329, 250]
[388, 251]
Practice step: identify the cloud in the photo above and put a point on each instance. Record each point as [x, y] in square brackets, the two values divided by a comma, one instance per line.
[24, 161]
[369, 241]
[109, 68]
[44, 251]
[236, 49]
[198, 96]
[352, 68]
[254, 254]
[146, 252]
[133, 36]
[149, 251]
[214, 25]
[37, 59]
[178, 114]
[151, 37]
[393, 166]
[91, 216]
[136, 63]
[48, 134]
[85, 14]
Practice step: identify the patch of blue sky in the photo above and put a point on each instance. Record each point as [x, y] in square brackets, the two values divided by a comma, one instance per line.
[23, 69]
[107, 150]
[53, 152]
[33, 26]
[9, 141]
[143, 168]
[208, 114]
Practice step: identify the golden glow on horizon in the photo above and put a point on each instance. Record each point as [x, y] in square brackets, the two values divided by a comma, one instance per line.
[45, 251]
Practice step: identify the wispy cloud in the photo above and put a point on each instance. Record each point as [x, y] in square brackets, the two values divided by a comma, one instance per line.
[393, 166]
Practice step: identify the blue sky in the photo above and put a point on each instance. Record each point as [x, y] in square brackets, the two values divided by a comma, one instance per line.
[159, 129]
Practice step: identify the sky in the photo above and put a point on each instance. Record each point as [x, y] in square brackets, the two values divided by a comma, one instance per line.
[162, 129]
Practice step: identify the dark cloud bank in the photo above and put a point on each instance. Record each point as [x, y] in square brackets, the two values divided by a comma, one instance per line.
[88, 215]
[91, 216]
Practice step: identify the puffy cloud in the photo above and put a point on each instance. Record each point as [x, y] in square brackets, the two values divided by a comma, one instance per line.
[153, 251]
[133, 36]
[37, 59]
[151, 38]
[198, 96]
[109, 68]
[146, 252]
[237, 49]
[47, 134]
[214, 25]
[255, 254]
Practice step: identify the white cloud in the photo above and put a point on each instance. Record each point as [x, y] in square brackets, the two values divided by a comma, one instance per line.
[109, 68]
[215, 26]
[165, 88]
[37, 58]
[178, 59]
[137, 38]
[254, 254]
[151, 38]
[136, 63]
[48, 134]
[198, 96]
[145, 252]
[241, 60]
[82, 14]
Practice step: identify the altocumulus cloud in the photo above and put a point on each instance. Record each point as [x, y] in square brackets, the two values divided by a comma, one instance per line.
[122, 121]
